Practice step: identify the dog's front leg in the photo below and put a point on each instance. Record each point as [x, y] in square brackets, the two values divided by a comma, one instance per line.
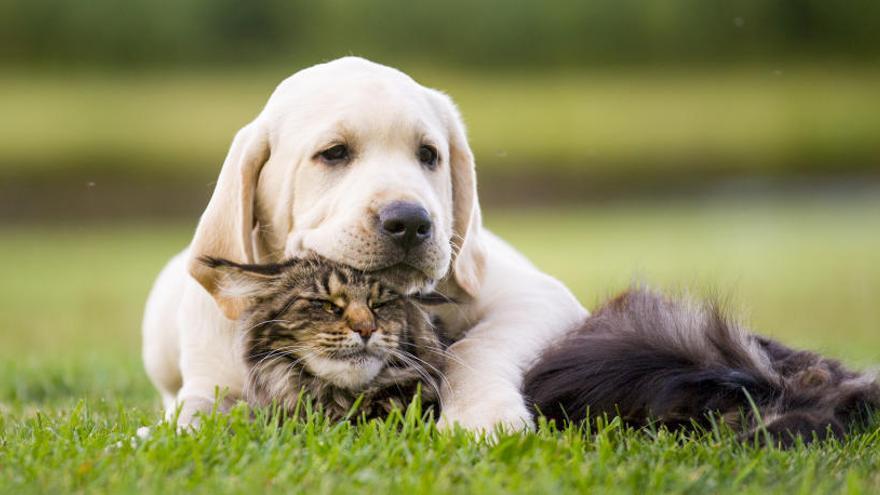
[210, 360]
[522, 313]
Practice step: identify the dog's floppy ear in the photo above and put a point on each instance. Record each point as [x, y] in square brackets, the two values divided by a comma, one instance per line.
[469, 261]
[226, 226]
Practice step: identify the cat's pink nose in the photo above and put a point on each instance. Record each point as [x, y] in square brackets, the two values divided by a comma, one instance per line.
[364, 332]
[360, 320]
[364, 328]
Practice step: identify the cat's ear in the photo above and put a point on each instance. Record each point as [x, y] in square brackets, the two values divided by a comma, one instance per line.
[242, 281]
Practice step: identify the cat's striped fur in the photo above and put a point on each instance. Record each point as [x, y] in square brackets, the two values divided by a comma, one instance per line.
[337, 335]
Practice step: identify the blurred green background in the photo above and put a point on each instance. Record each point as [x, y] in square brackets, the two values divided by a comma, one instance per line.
[718, 146]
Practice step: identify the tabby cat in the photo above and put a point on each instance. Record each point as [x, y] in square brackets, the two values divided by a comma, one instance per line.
[337, 335]
[650, 358]
[340, 336]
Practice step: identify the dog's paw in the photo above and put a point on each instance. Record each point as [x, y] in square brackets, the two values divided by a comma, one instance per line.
[188, 412]
[505, 412]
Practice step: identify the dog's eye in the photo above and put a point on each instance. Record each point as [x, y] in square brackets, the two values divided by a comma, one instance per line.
[428, 155]
[335, 154]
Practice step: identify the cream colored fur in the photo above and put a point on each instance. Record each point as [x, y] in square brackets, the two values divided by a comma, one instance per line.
[273, 199]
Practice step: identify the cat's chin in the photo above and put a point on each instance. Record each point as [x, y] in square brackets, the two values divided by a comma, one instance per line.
[350, 373]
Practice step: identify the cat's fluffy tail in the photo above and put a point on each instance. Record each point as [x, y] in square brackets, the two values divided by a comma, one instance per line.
[650, 358]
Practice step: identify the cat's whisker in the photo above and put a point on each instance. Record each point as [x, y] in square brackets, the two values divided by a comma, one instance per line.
[444, 353]
[283, 350]
[439, 372]
[258, 325]
[427, 379]
[287, 371]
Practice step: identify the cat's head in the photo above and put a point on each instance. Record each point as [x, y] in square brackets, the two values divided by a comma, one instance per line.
[342, 325]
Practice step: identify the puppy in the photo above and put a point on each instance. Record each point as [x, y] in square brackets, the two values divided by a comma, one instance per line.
[359, 164]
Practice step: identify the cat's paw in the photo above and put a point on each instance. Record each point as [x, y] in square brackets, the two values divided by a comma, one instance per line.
[509, 413]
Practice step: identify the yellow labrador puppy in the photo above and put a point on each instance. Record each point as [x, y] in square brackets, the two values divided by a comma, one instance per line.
[360, 164]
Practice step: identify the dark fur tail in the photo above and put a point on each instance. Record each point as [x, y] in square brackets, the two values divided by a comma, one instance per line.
[649, 358]
[643, 356]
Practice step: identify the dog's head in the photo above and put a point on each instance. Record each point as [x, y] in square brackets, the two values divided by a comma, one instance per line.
[358, 163]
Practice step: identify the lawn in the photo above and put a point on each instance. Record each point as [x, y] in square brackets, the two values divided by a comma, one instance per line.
[73, 394]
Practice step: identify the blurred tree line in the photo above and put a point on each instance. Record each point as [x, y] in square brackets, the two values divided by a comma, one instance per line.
[486, 33]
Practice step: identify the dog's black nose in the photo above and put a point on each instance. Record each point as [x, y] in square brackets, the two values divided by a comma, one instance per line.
[408, 224]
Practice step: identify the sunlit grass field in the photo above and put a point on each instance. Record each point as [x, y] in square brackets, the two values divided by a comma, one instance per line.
[72, 391]
[767, 119]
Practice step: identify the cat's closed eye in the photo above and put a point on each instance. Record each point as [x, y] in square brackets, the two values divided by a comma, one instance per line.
[332, 308]
[326, 306]
[382, 302]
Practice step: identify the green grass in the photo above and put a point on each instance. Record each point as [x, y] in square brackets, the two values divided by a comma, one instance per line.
[95, 449]
[72, 391]
[760, 119]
